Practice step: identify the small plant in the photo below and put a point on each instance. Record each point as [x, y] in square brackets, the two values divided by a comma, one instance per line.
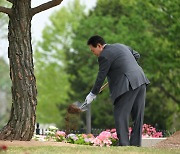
[80, 139]
[51, 133]
[149, 131]
[60, 136]
[39, 137]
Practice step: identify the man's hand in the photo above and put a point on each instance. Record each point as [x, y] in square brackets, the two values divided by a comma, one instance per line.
[90, 97]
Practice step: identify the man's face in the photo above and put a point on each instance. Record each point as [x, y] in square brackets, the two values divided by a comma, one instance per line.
[96, 50]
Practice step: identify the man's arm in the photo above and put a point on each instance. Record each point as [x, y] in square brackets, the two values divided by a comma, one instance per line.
[135, 53]
[104, 66]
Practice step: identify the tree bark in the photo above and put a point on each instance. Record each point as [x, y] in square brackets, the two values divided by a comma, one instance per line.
[22, 120]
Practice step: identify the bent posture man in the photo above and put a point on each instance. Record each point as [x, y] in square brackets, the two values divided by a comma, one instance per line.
[127, 83]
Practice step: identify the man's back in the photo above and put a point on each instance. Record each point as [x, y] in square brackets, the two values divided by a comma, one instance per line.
[124, 70]
[120, 57]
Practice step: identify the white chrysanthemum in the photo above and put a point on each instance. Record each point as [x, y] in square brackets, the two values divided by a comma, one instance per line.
[49, 132]
[53, 128]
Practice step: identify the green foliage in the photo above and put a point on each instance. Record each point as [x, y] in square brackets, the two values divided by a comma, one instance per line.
[151, 28]
[163, 61]
[5, 92]
[52, 88]
[5, 83]
[52, 80]
[3, 18]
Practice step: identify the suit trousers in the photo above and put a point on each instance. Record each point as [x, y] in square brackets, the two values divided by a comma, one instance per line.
[130, 103]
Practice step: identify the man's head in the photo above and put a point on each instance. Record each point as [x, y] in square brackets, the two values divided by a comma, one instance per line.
[96, 44]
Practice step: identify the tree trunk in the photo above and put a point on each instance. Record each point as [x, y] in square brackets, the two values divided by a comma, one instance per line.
[22, 120]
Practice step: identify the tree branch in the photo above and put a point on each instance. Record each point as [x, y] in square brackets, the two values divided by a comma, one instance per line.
[173, 84]
[11, 1]
[5, 10]
[168, 94]
[45, 6]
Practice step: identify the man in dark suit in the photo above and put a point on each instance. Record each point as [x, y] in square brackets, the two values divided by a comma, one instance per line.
[127, 84]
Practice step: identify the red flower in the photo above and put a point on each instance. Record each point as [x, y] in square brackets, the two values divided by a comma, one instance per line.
[3, 147]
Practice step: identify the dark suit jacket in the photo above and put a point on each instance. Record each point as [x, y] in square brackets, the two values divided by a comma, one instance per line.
[119, 63]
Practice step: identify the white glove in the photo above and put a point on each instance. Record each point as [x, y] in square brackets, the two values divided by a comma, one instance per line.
[90, 97]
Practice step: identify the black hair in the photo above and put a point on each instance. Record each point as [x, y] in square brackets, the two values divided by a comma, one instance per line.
[94, 40]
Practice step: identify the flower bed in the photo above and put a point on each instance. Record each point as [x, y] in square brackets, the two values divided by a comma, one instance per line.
[105, 138]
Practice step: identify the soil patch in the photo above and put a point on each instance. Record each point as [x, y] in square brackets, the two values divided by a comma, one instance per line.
[72, 118]
[73, 109]
[171, 142]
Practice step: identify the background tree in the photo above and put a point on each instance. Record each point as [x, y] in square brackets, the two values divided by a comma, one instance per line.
[4, 74]
[23, 116]
[5, 92]
[163, 60]
[151, 28]
[52, 80]
[4, 19]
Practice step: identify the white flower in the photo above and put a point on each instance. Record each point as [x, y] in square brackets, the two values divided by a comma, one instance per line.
[39, 138]
[53, 128]
[87, 140]
[145, 136]
[49, 132]
[72, 136]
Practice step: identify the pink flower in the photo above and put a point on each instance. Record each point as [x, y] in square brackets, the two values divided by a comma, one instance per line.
[104, 135]
[114, 135]
[145, 136]
[84, 135]
[113, 130]
[130, 130]
[89, 140]
[60, 133]
[150, 131]
[97, 142]
[107, 142]
[90, 136]
[157, 134]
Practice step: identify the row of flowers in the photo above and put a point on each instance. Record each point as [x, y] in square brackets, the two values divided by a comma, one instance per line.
[105, 138]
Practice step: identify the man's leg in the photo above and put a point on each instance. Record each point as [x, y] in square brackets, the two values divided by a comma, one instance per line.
[138, 116]
[122, 110]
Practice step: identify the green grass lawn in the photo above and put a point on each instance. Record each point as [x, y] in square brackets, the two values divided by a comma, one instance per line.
[81, 149]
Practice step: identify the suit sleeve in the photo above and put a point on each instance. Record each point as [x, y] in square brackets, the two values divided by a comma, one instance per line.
[135, 53]
[104, 66]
